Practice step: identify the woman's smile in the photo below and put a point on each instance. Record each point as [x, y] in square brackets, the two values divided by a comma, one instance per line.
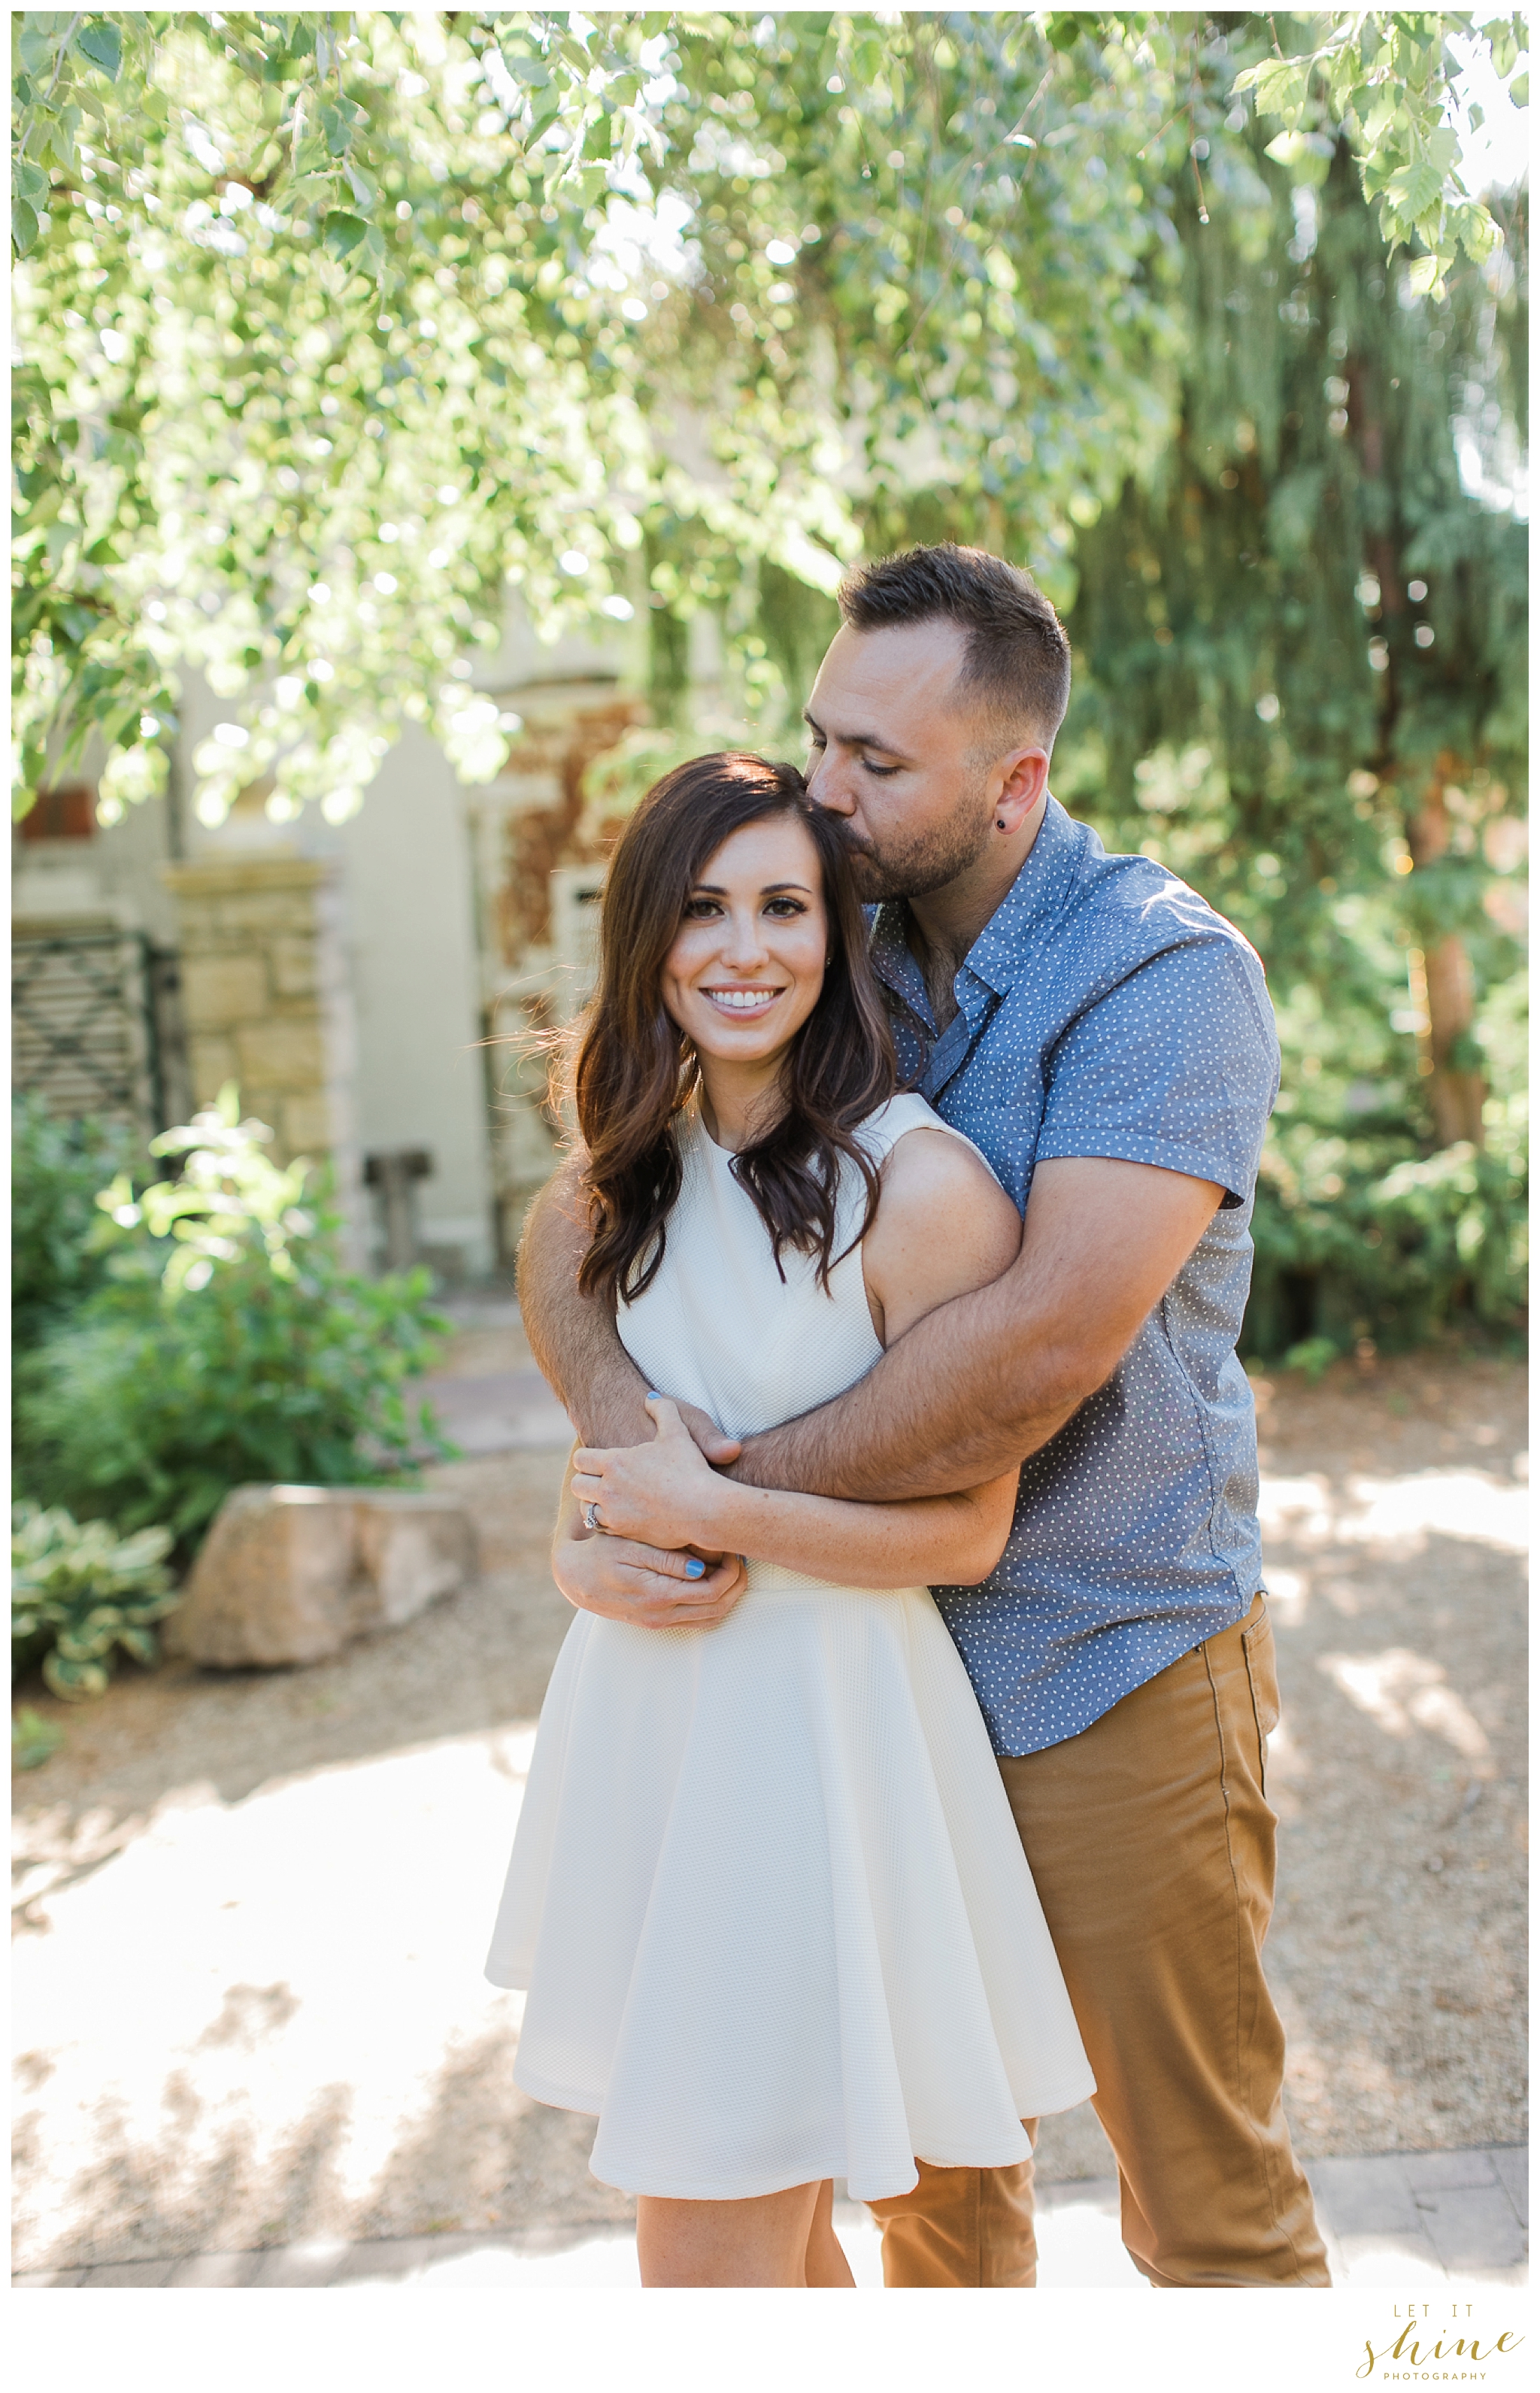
[744, 1003]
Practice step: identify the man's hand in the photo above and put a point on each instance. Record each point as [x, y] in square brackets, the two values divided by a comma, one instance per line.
[718, 1449]
[621, 1580]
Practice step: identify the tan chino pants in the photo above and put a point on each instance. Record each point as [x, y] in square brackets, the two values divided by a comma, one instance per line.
[1151, 1844]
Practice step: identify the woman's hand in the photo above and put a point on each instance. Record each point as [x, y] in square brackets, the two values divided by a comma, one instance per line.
[644, 1587]
[665, 1494]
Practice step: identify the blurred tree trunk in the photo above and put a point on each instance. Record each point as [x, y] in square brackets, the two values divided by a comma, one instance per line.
[1459, 1090]
[1447, 991]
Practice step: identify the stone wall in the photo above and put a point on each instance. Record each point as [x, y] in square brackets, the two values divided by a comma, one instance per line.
[267, 1002]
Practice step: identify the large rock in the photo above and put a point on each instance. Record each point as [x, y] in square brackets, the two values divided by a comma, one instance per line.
[291, 1573]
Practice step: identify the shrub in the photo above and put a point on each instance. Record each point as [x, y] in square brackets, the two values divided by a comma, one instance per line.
[1436, 1243]
[57, 1167]
[78, 1591]
[226, 1344]
[33, 1739]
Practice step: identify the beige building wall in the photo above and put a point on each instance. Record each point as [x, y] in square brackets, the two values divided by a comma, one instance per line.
[405, 935]
[413, 965]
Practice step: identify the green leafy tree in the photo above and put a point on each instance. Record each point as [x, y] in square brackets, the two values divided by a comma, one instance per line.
[333, 325]
[1383, 81]
[1304, 651]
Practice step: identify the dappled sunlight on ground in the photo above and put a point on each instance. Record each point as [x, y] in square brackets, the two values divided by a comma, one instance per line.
[1401, 1691]
[1402, 1514]
[1394, 1512]
[254, 1909]
[328, 1935]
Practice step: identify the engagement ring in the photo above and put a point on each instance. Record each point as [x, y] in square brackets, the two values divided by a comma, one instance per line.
[591, 1518]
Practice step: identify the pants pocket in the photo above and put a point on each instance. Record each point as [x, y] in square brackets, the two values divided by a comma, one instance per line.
[1262, 1672]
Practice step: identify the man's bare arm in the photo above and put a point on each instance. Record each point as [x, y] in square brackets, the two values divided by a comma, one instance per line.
[572, 1336]
[984, 1382]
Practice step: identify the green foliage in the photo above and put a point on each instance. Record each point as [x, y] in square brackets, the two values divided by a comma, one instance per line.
[1314, 1356]
[57, 1167]
[333, 325]
[237, 1348]
[1383, 78]
[618, 779]
[1300, 642]
[230, 1198]
[33, 1739]
[79, 1592]
[1439, 1243]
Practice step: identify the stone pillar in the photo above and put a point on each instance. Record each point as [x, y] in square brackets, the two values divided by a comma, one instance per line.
[268, 1003]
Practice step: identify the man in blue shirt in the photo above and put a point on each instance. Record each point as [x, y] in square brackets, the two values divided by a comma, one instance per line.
[1104, 1038]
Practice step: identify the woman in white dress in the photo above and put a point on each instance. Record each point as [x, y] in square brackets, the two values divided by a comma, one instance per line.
[766, 1895]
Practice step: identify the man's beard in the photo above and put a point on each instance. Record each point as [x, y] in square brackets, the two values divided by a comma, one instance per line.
[928, 861]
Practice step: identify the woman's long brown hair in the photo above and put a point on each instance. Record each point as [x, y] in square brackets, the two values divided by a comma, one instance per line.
[636, 1069]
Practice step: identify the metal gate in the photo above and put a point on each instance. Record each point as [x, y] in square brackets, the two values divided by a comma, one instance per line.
[95, 1025]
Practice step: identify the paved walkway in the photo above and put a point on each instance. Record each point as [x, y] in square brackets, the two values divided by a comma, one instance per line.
[1398, 2220]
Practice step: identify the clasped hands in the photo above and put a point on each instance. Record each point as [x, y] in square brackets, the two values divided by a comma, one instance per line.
[665, 1494]
[657, 1558]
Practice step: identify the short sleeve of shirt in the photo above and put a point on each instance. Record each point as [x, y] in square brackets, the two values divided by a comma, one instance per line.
[1176, 1065]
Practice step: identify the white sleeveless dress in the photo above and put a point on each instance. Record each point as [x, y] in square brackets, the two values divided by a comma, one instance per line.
[767, 1893]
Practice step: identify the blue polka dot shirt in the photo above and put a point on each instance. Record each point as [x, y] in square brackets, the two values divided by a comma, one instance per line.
[1106, 1010]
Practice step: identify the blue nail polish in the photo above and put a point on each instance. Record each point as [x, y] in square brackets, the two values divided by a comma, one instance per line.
[694, 1567]
[652, 1396]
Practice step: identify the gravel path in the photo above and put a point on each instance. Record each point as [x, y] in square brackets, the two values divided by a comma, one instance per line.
[252, 1910]
[1396, 1522]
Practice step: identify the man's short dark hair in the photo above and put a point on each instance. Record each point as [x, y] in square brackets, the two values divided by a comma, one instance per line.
[1016, 658]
